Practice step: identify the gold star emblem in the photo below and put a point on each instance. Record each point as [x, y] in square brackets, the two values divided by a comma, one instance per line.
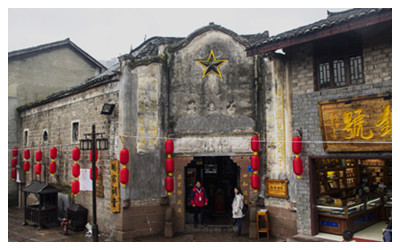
[211, 65]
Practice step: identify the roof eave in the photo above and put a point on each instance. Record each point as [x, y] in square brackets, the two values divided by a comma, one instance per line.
[334, 30]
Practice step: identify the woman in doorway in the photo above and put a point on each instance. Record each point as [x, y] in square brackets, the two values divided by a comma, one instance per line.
[237, 206]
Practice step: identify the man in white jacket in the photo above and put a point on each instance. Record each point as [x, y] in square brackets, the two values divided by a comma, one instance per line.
[237, 206]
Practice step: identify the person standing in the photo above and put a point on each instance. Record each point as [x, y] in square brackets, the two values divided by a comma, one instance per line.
[199, 200]
[237, 206]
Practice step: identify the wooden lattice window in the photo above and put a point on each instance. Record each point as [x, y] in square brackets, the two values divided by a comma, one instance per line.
[339, 63]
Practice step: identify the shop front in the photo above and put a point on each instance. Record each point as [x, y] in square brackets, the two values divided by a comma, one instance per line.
[351, 186]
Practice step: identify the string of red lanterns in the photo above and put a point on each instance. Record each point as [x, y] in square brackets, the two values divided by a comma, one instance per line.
[169, 166]
[38, 166]
[53, 165]
[297, 162]
[124, 173]
[255, 163]
[14, 163]
[76, 170]
[27, 164]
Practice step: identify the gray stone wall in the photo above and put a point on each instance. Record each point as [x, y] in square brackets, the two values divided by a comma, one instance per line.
[377, 72]
[56, 117]
[211, 104]
[12, 142]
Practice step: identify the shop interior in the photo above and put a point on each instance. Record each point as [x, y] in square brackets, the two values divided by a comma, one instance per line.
[351, 193]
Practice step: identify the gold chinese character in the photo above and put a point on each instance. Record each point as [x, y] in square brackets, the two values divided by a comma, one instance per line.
[179, 210]
[385, 121]
[179, 184]
[332, 119]
[245, 175]
[179, 192]
[179, 176]
[245, 184]
[355, 126]
[245, 192]
[179, 202]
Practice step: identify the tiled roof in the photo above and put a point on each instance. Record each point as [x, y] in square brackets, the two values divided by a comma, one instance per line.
[107, 75]
[150, 47]
[44, 47]
[333, 19]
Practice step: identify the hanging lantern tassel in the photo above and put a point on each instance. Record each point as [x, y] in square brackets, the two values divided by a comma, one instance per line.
[169, 184]
[255, 182]
[298, 166]
[75, 187]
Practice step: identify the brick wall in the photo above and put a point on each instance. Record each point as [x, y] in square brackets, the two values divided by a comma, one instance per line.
[56, 117]
[377, 71]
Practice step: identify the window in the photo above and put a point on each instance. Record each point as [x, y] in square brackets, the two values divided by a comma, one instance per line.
[45, 136]
[26, 137]
[338, 62]
[75, 131]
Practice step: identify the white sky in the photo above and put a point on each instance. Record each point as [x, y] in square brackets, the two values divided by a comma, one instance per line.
[107, 33]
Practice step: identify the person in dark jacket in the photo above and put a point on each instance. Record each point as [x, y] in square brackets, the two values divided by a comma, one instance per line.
[198, 199]
[387, 233]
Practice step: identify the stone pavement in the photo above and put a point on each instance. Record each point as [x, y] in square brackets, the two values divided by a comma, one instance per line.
[17, 232]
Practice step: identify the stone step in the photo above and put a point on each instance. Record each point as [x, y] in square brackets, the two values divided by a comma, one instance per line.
[209, 228]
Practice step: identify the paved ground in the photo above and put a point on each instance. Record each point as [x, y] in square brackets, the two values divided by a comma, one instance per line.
[17, 232]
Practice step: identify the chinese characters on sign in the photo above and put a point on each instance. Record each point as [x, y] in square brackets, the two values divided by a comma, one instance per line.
[277, 188]
[114, 184]
[359, 124]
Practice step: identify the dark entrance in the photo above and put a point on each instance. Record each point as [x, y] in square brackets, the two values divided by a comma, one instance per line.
[218, 175]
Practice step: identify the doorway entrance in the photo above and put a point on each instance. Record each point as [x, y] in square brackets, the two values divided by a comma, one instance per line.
[219, 175]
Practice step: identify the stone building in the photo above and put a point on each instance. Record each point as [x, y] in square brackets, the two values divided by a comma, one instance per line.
[36, 72]
[210, 92]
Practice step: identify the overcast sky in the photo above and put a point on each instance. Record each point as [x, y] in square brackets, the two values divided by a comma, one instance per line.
[108, 33]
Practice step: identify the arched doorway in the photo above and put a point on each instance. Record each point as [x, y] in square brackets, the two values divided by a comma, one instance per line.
[218, 175]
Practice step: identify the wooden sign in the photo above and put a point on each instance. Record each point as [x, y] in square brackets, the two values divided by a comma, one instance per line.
[357, 124]
[99, 186]
[114, 184]
[276, 188]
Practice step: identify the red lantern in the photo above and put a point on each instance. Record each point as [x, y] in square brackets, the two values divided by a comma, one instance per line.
[52, 167]
[169, 184]
[255, 182]
[27, 154]
[75, 187]
[297, 166]
[296, 145]
[169, 147]
[124, 176]
[76, 154]
[38, 169]
[14, 162]
[53, 153]
[13, 174]
[96, 154]
[27, 166]
[124, 156]
[255, 162]
[76, 170]
[15, 151]
[255, 144]
[169, 165]
[91, 174]
[39, 156]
